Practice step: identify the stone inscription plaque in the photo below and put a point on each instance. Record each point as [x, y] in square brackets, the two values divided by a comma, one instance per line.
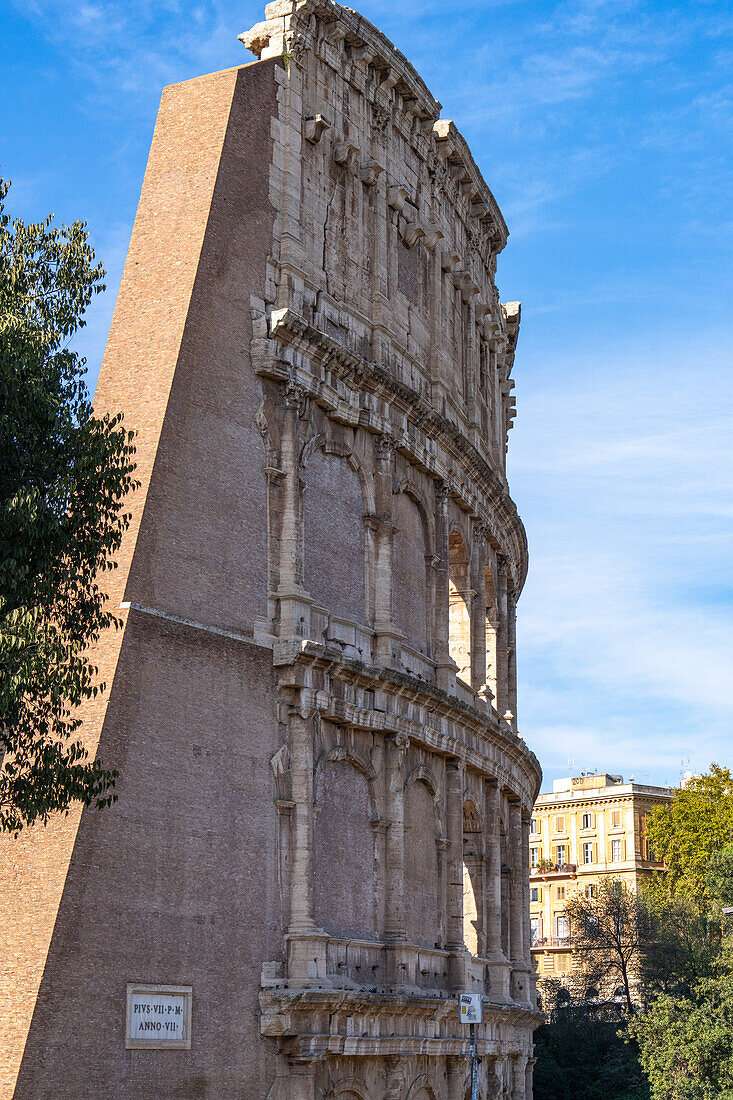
[158, 1017]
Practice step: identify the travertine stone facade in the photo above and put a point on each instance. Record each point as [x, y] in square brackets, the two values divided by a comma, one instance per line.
[313, 699]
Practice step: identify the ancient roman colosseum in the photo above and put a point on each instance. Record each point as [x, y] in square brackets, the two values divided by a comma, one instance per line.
[321, 832]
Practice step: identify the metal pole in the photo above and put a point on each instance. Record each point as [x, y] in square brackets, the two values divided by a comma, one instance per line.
[474, 1065]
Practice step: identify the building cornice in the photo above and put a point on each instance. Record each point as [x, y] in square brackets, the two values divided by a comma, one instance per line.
[491, 747]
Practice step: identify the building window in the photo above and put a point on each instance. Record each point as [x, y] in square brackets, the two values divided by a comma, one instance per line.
[534, 893]
[561, 893]
[587, 821]
[562, 927]
[591, 891]
[650, 853]
[534, 857]
[587, 852]
[560, 855]
[615, 851]
[615, 819]
[559, 824]
[534, 929]
[533, 826]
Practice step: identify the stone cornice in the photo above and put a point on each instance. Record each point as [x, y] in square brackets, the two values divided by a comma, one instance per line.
[287, 328]
[602, 798]
[492, 740]
[293, 1017]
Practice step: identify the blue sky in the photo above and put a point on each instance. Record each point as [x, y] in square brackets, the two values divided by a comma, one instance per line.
[604, 129]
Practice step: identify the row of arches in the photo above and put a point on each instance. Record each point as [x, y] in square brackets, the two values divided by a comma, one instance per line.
[349, 883]
[388, 571]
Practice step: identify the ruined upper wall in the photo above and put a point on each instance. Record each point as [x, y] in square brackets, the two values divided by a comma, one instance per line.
[387, 235]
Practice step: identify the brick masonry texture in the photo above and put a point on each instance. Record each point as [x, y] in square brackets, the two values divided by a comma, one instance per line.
[312, 701]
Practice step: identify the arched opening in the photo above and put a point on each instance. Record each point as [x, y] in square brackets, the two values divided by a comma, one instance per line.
[334, 536]
[472, 882]
[492, 636]
[343, 864]
[459, 602]
[421, 867]
[409, 573]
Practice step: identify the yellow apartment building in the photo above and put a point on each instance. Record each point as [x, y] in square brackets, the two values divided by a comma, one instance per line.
[590, 827]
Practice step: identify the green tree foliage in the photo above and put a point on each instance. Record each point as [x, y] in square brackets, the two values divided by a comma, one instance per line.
[680, 946]
[580, 1057]
[719, 881]
[686, 832]
[64, 473]
[609, 932]
[686, 1043]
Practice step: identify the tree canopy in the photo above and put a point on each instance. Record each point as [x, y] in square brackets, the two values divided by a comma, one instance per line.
[686, 1043]
[65, 474]
[686, 832]
[609, 932]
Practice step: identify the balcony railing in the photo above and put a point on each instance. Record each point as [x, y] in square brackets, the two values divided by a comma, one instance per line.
[553, 869]
[552, 941]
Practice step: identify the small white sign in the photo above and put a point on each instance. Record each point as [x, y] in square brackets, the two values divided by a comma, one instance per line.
[472, 1008]
[158, 1017]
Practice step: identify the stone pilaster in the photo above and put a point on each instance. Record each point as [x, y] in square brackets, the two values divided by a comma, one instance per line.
[502, 667]
[388, 638]
[516, 911]
[516, 905]
[454, 824]
[527, 936]
[478, 612]
[294, 600]
[512, 655]
[394, 930]
[306, 946]
[497, 966]
[446, 666]
[519, 1078]
[457, 1069]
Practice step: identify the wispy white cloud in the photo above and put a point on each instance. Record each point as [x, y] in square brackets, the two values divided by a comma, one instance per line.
[624, 476]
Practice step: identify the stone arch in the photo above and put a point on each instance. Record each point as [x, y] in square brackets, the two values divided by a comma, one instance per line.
[324, 442]
[421, 773]
[472, 800]
[422, 1088]
[459, 597]
[335, 498]
[355, 757]
[411, 575]
[410, 486]
[349, 1088]
[422, 866]
[343, 845]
